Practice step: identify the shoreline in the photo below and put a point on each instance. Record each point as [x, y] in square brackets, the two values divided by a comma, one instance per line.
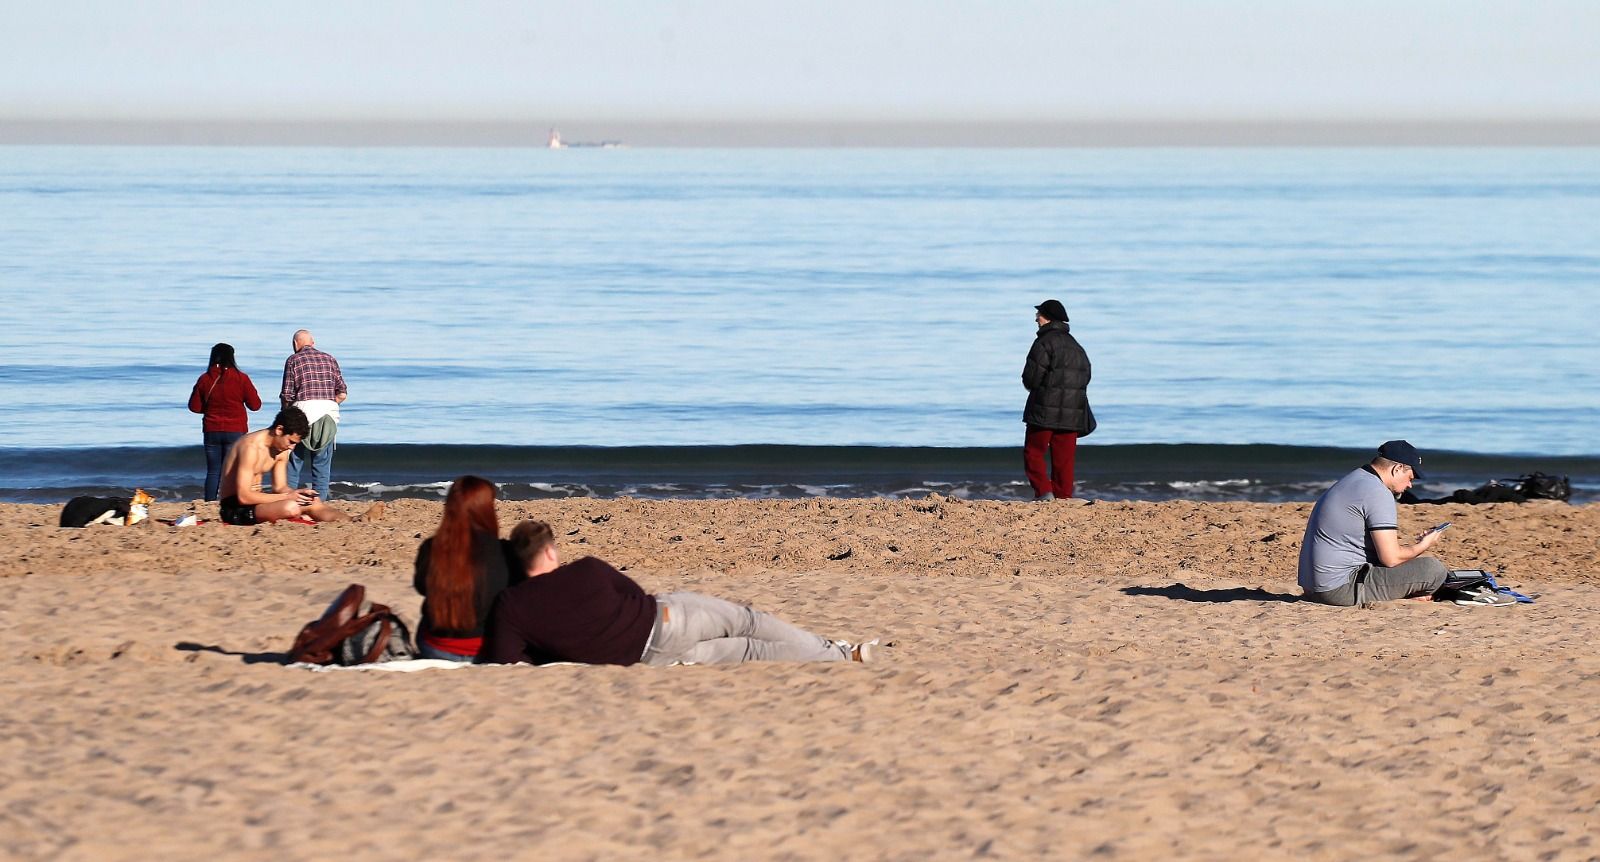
[1216, 472]
[1112, 678]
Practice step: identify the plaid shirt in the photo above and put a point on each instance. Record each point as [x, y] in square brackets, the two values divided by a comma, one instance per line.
[310, 375]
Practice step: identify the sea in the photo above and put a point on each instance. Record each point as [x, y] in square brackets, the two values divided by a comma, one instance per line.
[708, 323]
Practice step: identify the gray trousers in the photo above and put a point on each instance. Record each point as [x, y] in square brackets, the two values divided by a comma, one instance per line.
[695, 629]
[1419, 576]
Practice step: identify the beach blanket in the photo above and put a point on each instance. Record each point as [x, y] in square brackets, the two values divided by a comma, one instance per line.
[415, 664]
[404, 666]
[175, 522]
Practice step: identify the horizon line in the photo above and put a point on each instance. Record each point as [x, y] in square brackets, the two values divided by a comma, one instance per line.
[806, 133]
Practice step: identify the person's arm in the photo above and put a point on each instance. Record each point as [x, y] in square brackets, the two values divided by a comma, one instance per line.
[1390, 553]
[515, 572]
[419, 577]
[289, 392]
[502, 641]
[252, 399]
[340, 391]
[280, 475]
[197, 404]
[1033, 371]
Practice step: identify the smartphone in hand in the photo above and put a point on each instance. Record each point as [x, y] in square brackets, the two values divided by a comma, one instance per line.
[1436, 529]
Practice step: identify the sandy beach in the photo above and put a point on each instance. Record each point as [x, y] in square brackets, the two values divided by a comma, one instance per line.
[1118, 680]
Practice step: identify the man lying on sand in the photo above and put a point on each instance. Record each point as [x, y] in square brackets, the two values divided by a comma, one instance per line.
[589, 612]
[267, 451]
[1351, 552]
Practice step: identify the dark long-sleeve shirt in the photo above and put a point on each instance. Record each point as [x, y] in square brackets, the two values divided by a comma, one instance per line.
[496, 570]
[585, 611]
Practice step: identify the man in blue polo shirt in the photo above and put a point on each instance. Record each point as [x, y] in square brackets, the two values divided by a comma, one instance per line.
[1351, 552]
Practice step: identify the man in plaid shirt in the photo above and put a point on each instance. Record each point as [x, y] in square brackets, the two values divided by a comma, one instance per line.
[312, 382]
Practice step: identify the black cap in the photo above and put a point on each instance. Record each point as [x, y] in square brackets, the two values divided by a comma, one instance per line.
[1052, 309]
[1401, 452]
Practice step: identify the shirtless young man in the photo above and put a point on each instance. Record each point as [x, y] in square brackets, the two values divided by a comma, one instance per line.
[267, 451]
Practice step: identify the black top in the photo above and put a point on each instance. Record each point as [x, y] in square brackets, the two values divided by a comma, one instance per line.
[585, 611]
[497, 569]
[1056, 376]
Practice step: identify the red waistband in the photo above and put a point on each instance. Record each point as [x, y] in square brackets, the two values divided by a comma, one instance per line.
[458, 646]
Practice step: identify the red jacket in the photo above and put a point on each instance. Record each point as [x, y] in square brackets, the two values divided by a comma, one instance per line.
[222, 394]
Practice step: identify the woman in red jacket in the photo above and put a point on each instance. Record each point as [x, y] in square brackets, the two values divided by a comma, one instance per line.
[222, 395]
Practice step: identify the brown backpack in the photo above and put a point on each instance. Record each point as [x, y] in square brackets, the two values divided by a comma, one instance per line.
[353, 631]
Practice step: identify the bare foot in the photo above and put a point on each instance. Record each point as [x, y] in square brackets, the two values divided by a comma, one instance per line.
[374, 512]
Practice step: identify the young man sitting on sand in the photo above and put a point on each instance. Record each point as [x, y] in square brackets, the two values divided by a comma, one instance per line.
[267, 451]
[1351, 552]
[588, 612]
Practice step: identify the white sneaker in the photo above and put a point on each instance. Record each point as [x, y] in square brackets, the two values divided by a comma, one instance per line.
[1483, 597]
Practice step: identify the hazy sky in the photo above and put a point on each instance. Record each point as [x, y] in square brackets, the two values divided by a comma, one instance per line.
[750, 60]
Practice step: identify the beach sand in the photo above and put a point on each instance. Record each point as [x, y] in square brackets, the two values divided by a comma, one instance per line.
[1121, 680]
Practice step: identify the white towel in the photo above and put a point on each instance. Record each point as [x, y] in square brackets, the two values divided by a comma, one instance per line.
[319, 407]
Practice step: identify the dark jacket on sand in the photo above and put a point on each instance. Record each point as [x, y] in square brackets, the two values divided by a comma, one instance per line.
[1057, 378]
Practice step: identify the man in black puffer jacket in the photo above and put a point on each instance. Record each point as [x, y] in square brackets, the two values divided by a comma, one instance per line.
[1057, 378]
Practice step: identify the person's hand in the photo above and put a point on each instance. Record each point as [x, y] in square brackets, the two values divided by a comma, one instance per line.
[1428, 539]
[305, 496]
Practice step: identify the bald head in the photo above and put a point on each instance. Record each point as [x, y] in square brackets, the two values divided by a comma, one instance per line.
[302, 338]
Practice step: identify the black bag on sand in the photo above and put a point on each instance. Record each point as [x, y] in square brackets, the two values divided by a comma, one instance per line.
[1533, 486]
[353, 631]
[1464, 579]
[1541, 486]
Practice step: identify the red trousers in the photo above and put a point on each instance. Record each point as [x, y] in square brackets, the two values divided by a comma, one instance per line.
[1062, 447]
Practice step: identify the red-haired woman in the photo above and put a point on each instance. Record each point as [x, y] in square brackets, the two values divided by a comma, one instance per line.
[460, 571]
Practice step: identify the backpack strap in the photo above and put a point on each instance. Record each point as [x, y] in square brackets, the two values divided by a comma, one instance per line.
[205, 400]
[382, 614]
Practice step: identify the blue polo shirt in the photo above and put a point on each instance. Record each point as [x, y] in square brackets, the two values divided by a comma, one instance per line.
[1338, 537]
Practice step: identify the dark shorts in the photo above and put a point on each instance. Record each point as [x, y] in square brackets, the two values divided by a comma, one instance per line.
[236, 513]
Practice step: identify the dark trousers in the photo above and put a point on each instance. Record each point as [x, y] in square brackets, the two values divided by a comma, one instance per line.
[1062, 448]
[217, 445]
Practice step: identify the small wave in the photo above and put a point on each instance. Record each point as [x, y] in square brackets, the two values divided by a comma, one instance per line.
[1212, 483]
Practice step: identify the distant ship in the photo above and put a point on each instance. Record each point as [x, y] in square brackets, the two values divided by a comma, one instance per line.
[555, 143]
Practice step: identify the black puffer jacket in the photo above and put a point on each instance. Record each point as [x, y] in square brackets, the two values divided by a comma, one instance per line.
[1057, 378]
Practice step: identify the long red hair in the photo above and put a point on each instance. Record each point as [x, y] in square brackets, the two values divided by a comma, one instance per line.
[452, 574]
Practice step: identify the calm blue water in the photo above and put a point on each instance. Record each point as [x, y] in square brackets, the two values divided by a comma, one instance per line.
[853, 297]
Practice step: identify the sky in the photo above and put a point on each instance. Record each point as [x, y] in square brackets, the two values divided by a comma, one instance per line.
[825, 60]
